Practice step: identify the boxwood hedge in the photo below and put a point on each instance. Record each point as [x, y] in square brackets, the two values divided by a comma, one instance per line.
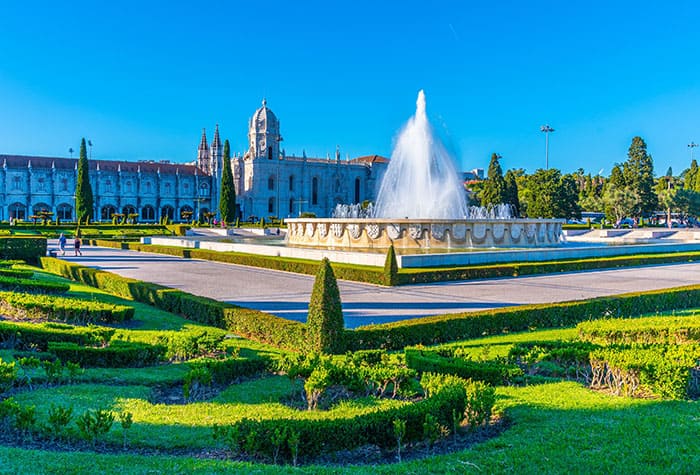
[21, 335]
[64, 309]
[118, 354]
[25, 248]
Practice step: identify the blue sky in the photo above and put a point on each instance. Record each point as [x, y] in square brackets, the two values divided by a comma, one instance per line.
[141, 79]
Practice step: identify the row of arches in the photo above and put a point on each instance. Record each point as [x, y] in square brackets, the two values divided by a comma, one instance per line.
[315, 185]
[65, 212]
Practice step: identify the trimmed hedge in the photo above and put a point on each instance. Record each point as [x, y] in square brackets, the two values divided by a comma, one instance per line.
[29, 249]
[22, 335]
[461, 326]
[16, 284]
[16, 273]
[671, 372]
[245, 322]
[322, 435]
[492, 372]
[665, 330]
[65, 309]
[119, 354]
[227, 370]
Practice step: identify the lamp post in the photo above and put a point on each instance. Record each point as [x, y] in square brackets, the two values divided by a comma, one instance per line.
[90, 145]
[546, 129]
[70, 150]
[691, 146]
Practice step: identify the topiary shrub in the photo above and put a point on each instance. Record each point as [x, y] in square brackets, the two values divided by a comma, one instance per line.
[391, 268]
[325, 322]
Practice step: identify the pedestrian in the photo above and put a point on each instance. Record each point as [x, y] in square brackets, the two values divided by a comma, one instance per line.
[62, 244]
[77, 244]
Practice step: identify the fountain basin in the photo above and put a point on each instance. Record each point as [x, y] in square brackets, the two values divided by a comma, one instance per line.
[380, 233]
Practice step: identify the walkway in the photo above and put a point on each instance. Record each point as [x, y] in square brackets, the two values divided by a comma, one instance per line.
[287, 295]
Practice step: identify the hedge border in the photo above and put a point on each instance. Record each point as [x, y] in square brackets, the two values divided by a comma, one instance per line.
[377, 275]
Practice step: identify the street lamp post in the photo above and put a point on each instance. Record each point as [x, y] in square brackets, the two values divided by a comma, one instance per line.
[90, 145]
[70, 150]
[546, 129]
[691, 146]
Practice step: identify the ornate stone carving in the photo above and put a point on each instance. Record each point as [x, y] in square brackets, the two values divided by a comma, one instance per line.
[437, 231]
[354, 230]
[530, 231]
[310, 229]
[499, 231]
[415, 231]
[373, 231]
[478, 232]
[459, 232]
[393, 231]
[541, 233]
[322, 230]
[337, 229]
[516, 231]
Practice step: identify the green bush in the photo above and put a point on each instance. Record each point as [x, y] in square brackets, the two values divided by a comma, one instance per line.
[227, 370]
[324, 324]
[36, 336]
[668, 371]
[119, 354]
[492, 372]
[17, 273]
[569, 359]
[461, 326]
[668, 330]
[64, 309]
[29, 249]
[16, 284]
[8, 375]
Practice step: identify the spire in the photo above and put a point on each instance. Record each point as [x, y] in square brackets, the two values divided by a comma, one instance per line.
[337, 153]
[216, 143]
[264, 102]
[203, 143]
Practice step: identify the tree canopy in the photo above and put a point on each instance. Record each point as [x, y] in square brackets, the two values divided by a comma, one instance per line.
[84, 202]
[227, 202]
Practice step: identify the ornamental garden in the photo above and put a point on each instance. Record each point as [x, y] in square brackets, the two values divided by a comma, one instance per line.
[103, 373]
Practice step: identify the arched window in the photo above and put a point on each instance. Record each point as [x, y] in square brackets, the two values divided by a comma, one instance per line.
[168, 189]
[271, 205]
[64, 212]
[203, 190]
[128, 209]
[39, 207]
[64, 184]
[17, 184]
[314, 191]
[41, 184]
[108, 186]
[127, 186]
[357, 190]
[149, 187]
[107, 212]
[271, 183]
[291, 206]
[18, 211]
[148, 213]
[291, 182]
[168, 211]
[186, 212]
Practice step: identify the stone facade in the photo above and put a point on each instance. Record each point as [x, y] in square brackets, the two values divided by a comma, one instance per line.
[268, 182]
[152, 190]
[271, 183]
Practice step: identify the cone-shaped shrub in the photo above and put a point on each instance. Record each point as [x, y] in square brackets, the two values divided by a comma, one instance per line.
[391, 268]
[325, 324]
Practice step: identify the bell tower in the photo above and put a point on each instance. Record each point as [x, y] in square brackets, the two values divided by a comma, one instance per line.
[264, 135]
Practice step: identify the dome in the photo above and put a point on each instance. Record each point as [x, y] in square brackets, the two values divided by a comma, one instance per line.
[264, 119]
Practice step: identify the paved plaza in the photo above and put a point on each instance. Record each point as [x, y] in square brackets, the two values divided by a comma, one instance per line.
[287, 295]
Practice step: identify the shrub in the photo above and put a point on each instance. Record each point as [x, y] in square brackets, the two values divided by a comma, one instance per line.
[29, 249]
[66, 309]
[492, 372]
[119, 354]
[325, 323]
[22, 335]
[8, 375]
[94, 424]
[16, 273]
[227, 370]
[16, 284]
[58, 419]
[662, 330]
[391, 268]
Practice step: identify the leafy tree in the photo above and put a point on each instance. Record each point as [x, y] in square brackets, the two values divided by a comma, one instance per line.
[666, 193]
[83, 191]
[617, 178]
[325, 324]
[494, 186]
[227, 204]
[548, 194]
[691, 176]
[511, 192]
[638, 172]
[619, 202]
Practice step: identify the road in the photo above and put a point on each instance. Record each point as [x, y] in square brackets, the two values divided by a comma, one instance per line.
[287, 295]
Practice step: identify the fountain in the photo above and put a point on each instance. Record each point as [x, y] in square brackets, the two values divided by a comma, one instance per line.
[422, 205]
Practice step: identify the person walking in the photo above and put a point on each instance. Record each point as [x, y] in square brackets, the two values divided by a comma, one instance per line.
[62, 244]
[77, 244]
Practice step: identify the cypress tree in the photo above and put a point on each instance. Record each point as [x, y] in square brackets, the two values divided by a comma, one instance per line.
[638, 171]
[324, 323]
[83, 190]
[391, 267]
[511, 192]
[227, 203]
[691, 176]
[495, 185]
